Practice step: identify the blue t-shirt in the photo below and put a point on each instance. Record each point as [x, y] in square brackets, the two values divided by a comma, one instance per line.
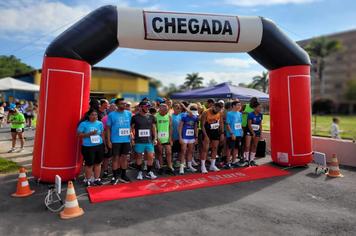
[256, 120]
[188, 131]
[234, 119]
[119, 123]
[175, 124]
[86, 127]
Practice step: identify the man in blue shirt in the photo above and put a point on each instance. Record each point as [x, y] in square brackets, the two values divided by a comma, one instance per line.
[119, 139]
[234, 134]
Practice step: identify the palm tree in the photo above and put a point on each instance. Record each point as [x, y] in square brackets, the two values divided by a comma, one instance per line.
[193, 81]
[319, 49]
[260, 82]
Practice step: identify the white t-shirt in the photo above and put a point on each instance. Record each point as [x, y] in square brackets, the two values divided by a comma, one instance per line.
[334, 130]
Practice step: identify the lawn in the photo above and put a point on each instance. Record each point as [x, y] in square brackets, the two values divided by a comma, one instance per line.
[7, 166]
[322, 128]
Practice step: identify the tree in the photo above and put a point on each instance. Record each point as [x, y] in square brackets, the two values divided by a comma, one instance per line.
[260, 82]
[193, 81]
[351, 90]
[319, 49]
[10, 65]
[170, 89]
[212, 83]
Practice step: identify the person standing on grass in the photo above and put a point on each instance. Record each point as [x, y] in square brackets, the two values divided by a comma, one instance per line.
[17, 120]
[253, 135]
[91, 131]
[334, 130]
[119, 140]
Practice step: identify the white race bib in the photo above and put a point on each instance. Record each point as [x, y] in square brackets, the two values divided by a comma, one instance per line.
[162, 134]
[95, 139]
[237, 125]
[144, 133]
[189, 132]
[255, 127]
[214, 126]
[124, 132]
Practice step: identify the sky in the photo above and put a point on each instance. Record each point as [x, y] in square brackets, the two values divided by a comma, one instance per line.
[28, 26]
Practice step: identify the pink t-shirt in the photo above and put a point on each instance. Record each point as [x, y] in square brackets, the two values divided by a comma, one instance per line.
[104, 120]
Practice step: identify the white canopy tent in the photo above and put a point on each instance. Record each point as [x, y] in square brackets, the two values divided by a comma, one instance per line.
[9, 83]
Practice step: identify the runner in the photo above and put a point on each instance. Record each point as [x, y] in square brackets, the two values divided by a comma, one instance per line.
[17, 120]
[108, 151]
[188, 136]
[248, 108]
[144, 128]
[254, 132]
[118, 129]
[212, 128]
[104, 104]
[91, 131]
[176, 118]
[233, 134]
[164, 133]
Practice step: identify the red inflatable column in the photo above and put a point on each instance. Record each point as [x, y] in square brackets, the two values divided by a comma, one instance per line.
[64, 98]
[290, 110]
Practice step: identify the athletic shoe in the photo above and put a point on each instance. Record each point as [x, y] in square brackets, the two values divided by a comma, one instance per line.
[114, 181]
[192, 169]
[194, 163]
[105, 174]
[181, 170]
[242, 163]
[228, 166]
[98, 182]
[214, 168]
[203, 169]
[170, 171]
[87, 183]
[151, 175]
[125, 179]
[139, 176]
[11, 150]
[253, 163]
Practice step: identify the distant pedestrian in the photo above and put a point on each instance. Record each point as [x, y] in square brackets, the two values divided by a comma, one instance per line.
[2, 113]
[334, 130]
[17, 120]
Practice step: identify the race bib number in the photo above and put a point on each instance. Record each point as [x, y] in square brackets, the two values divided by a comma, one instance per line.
[124, 132]
[255, 127]
[189, 132]
[162, 134]
[214, 126]
[144, 133]
[95, 139]
[19, 130]
[237, 125]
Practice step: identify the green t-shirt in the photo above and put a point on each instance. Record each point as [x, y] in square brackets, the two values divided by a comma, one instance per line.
[163, 127]
[18, 117]
[247, 110]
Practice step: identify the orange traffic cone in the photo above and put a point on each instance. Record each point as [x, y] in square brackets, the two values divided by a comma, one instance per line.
[71, 207]
[334, 170]
[23, 187]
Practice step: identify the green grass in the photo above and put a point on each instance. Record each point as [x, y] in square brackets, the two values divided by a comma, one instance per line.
[7, 166]
[323, 122]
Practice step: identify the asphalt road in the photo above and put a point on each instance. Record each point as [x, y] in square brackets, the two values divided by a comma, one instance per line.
[298, 204]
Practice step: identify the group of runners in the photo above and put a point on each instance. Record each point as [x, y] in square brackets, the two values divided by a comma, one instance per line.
[165, 137]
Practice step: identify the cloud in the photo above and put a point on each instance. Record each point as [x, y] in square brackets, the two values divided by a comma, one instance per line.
[251, 3]
[235, 62]
[178, 78]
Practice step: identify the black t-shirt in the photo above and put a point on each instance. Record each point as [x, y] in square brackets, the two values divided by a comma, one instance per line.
[143, 127]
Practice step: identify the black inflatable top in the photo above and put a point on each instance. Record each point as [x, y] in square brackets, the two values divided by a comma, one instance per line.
[95, 36]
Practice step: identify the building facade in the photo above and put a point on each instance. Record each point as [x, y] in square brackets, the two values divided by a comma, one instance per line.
[340, 69]
[105, 83]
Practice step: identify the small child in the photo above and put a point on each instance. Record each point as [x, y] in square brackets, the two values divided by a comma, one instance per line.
[334, 130]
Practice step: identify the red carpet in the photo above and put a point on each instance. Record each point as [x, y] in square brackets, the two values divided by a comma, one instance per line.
[181, 183]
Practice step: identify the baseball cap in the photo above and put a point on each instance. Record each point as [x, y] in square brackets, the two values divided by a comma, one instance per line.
[160, 100]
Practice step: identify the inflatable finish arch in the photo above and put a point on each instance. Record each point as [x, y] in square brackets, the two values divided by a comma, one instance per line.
[65, 84]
